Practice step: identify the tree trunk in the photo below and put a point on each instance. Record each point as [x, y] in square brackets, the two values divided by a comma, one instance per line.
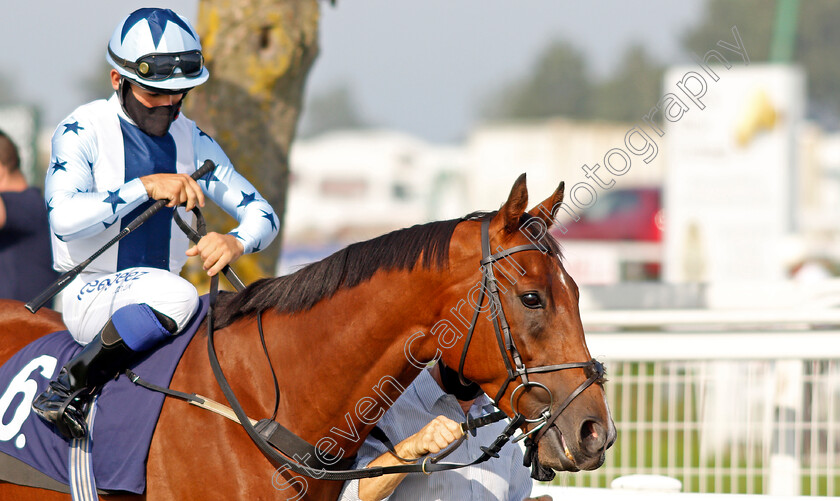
[259, 53]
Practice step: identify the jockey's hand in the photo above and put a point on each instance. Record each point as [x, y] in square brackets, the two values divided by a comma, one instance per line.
[432, 438]
[217, 251]
[177, 188]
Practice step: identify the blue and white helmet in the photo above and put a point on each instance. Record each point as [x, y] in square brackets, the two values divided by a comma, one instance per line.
[159, 50]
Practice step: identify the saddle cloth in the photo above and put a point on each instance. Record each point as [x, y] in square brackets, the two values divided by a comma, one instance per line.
[126, 414]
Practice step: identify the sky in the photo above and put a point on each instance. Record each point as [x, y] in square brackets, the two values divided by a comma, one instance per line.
[423, 67]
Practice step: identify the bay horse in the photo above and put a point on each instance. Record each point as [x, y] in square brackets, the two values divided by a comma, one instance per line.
[345, 335]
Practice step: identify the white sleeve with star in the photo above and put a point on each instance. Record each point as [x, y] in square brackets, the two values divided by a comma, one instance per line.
[233, 193]
[75, 208]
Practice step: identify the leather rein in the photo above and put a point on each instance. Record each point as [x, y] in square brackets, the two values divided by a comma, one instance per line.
[293, 453]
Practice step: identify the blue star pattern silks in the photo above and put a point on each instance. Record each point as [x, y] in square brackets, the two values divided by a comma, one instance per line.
[83, 200]
[93, 190]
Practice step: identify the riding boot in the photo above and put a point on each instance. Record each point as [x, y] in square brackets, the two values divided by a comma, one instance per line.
[66, 401]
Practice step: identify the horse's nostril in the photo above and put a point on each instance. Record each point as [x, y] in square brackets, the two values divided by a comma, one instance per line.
[593, 436]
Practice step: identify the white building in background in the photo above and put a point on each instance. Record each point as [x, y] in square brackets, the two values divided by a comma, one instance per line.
[352, 185]
[349, 185]
[549, 151]
[819, 187]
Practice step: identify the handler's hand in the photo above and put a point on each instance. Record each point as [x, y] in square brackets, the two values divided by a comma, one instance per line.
[544, 497]
[432, 438]
[217, 251]
[177, 188]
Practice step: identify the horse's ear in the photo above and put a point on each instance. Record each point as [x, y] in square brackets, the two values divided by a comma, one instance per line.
[515, 206]
[547, 210]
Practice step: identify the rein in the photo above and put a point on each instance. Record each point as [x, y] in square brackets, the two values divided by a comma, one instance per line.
[323, 470]
[290, 451]
[280, 444]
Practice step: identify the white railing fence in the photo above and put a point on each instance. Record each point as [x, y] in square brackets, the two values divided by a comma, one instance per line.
[727, 402]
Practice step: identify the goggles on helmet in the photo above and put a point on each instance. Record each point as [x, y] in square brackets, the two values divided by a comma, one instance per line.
[162, 66]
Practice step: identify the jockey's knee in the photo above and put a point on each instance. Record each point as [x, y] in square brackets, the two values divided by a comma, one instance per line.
[177, 307]
[166, 322]
[138, 325]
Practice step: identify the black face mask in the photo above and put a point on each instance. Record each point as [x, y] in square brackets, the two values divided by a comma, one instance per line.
[153, 121]
[453, 386]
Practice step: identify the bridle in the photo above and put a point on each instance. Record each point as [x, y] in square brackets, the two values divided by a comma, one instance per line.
[280, 444]
[507, 346]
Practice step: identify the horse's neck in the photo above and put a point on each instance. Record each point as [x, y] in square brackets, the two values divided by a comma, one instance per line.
[343, 363]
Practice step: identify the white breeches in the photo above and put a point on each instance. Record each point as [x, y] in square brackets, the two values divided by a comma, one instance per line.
[91, 298]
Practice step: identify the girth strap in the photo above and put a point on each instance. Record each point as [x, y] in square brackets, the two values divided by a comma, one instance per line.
[277, 435]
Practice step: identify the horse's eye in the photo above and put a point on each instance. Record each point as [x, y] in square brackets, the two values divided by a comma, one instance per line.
[531, 300]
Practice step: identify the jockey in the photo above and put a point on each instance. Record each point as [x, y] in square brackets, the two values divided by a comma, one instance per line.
[111, 159]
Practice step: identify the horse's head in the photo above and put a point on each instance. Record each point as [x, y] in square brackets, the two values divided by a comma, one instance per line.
[542, 369]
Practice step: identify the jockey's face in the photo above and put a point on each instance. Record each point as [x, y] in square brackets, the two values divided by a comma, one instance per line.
[152, 99]
[147, 98]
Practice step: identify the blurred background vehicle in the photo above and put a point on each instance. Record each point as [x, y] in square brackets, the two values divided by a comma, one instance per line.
[618, 239]
[620, 214]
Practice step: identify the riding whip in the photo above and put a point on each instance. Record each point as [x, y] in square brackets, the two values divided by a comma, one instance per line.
[57, 286]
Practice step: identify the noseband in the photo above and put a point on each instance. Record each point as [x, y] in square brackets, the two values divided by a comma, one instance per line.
[516, 370]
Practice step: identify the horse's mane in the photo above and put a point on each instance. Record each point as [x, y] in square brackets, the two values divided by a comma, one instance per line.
[346, 268]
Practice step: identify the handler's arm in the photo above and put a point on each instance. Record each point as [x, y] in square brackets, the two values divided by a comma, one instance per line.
[431, 439]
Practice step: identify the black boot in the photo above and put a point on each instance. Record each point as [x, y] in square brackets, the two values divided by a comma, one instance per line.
[65, 402]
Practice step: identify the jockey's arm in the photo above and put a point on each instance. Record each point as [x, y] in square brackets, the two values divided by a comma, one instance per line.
[238, 197]
[75, 209]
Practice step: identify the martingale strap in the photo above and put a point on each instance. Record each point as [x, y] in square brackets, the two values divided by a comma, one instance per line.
[328, 472]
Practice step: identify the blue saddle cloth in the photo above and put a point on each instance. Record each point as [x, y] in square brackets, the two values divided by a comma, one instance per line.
[126, 414]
